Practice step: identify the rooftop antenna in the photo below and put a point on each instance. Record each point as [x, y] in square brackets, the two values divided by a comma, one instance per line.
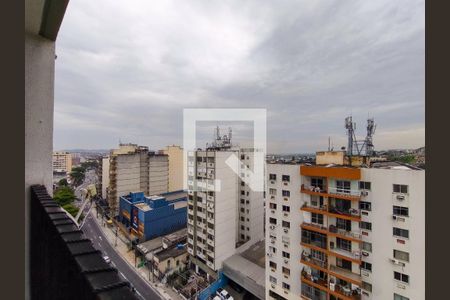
[350, 126]
[371, 126]
[329, 143]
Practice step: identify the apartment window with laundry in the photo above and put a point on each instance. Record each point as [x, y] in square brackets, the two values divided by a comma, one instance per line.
[400, 188]
[400, 211]
[401, 255]
[286, 193]
[364, 185]
[273, 176]
[401, 277]
[400, 232]
[286, 178]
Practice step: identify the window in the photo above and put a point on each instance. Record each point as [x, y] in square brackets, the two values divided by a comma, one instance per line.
[273, 279]
[344, 244]
[317, 218]
[273, 206]
[272, 192]
[243, 193]
[366, 266]
[286, 208]
[273, 265]
[365, 205]
[401, 277]
[401, 211]
[402, 255]
[366, 286]
[286, 271]
[286, 254]
[367, 246]
[343, 263]
[272, 221]
[400, 232]
[317, 182]
[400, 188]
[365, 225]
[317, 201]
[273, 176]
[286, 286]
[343, 186]
[364, 185]
[242, 210]
[286, 224]
[400, 297]
[242, 227]
[272, 249]
[242, 156]
[286, 178]
[318, 255]
[286, 193]
[344, 224]
[242, 183]
[242, 201]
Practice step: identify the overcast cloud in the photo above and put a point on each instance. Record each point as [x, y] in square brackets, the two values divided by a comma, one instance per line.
[126, 69]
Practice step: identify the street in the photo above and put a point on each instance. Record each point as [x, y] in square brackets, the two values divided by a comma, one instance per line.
[94, 232]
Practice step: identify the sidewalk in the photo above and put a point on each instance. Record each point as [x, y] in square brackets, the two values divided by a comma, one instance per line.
[166, 292]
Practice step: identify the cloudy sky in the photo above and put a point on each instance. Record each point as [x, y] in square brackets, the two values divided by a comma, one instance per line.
[126, 69]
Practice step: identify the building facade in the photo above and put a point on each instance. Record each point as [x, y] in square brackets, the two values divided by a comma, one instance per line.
[62, 162]
[361, 231]
[224, 215]
[176, 165]
[133, 168]
[154, 216]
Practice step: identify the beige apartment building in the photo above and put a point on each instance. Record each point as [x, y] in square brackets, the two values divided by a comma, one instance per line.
[176, 165]
[62, 162]
[133, 168]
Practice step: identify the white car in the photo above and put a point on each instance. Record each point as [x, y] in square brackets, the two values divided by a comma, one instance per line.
[224, 295]
[107, 259]
[217, 298]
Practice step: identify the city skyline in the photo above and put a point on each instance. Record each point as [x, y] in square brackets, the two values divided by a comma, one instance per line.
[309, 64]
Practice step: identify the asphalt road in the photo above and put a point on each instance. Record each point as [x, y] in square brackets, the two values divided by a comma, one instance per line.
[93, 231]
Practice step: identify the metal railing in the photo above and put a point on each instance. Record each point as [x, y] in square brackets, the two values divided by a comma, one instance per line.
[344, 192]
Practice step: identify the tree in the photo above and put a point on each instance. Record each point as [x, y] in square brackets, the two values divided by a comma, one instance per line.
[71, 209]
[77, 175]
[63, 182]
[64, 195]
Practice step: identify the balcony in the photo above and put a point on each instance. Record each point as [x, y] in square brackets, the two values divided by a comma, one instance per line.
[354, 256]
[314, 190]
[346, 234]
[344, 292]
[344, 193]
[309, 260]
[314, 227]
[345, 274]
[347, 214]
[321, 283]
[315, 242]
[315, 209]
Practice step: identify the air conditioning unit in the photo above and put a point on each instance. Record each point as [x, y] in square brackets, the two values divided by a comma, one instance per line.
[286, 261]
[285, 183]
[400, 197]
[272, 181]
[364, 253]
[286, 230]
[397, 262]
[394, 217]
[272, 227]
[331, 245]
[364, 193]
[272, 285]
[272, 211]
[269, 254]
[272, 241]
[286, 214]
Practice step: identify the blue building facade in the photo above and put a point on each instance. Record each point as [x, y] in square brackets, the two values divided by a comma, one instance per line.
[150, 217]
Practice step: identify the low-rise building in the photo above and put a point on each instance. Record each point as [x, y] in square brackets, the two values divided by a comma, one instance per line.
[170, 260]
[150, 217]
[62, 162]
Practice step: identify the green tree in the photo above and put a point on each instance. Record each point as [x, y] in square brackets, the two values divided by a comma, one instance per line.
[77, 175]
[71, 209]
[63, 182]
[64, 195]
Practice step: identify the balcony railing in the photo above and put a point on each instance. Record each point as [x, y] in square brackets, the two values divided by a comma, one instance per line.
[312, 188]
[346, 291]
[352, 212]
[308, 258]
[320, 281]
[318, 243]
[344, 192]
[345, 273]
[356, 254]
[308, 205]
[343, 232]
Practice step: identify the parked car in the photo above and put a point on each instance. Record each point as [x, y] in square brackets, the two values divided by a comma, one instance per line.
[107, 259]
[223, 294]
[217, 298]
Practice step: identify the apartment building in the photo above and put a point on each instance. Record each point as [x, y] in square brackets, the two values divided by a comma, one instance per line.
[62, 162]
[176, 165]
[133, 168]
[224, 215]
[356, 230]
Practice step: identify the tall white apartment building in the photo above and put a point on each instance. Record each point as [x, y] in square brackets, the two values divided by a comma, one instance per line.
[62, 162]
[224, 215]
[354, 232]
[133, 168]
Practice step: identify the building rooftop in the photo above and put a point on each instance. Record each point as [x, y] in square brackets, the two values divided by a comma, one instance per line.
[173, 251]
